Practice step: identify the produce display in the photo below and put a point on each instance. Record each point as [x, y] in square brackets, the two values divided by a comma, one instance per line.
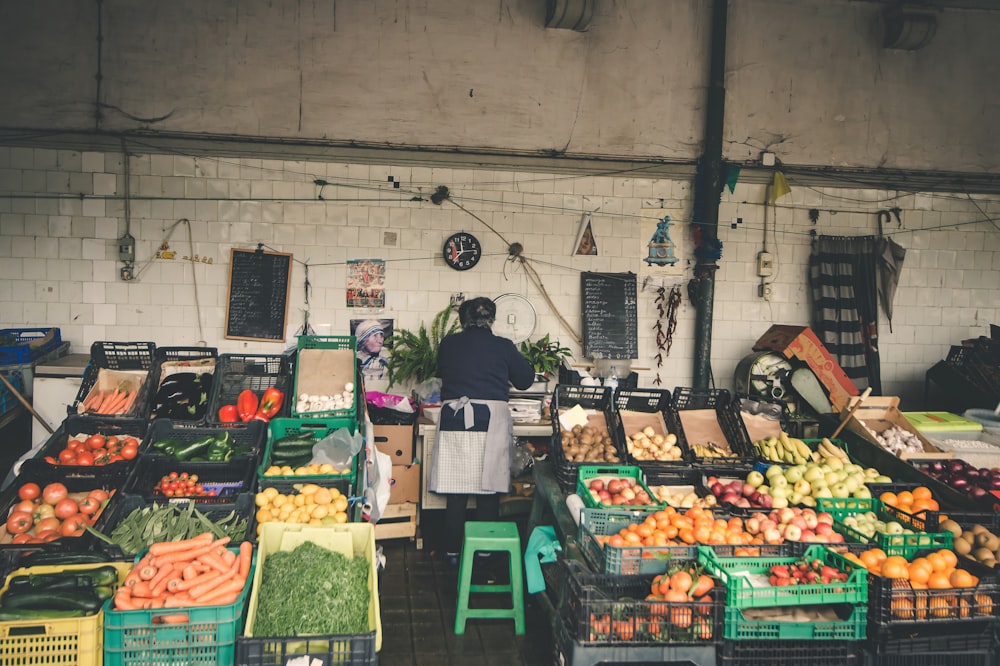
[791, 450]
[897, 440]
[293, 453]
[976, 543]
[249, 406]
[960, 475]
[913, 501]
[311, 505]
[805, 572]
[712, 450]
[218, 447]
[96, 449]
[312, 469]
[586, 444]
[182, 396]
[109, 402]
[647, 444]
[144, 526]
[51, 512]
[794, 524]
[669, 527]
[312, 403]
[312, 590]
[181, 485]
[682, 497]
[869, 524]
[73, 592]
[618, 491]
[200, 571]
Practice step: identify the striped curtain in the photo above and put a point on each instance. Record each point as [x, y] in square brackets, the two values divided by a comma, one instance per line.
[845, 304]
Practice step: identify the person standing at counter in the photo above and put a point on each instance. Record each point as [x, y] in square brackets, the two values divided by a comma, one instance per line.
[475, 429]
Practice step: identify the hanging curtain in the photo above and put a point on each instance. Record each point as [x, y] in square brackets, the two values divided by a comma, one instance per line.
[842, 278]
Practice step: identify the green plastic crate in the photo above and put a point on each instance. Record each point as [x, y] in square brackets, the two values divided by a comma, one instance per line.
[136, 638]
[320, 427]
[893, 544]
[588, 472]
[347, 372]
[742, 593]
[847, 505]
[852, 628]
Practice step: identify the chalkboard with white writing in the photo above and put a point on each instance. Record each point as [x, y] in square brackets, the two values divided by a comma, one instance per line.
[257, 306]
[609, 315]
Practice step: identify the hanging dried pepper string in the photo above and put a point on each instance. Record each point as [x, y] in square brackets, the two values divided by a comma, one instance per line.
[667, 307]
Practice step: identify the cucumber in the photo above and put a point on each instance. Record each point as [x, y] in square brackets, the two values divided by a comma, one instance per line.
[79, 600]
[42, 558]
[21, 614]
[66, 580]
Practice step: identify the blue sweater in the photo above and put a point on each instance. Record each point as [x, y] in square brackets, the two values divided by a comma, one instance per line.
[480, 365]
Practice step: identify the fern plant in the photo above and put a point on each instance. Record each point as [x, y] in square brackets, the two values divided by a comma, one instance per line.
[413, 357]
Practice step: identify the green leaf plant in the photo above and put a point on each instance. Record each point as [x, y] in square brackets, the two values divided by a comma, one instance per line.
[413, 357]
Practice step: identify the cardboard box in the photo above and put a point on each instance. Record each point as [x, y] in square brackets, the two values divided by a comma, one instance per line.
[881, 412]
[405, 484]
[801, 342]
[395, 441]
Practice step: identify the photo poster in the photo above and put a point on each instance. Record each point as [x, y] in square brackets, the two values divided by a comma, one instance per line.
[366, 283]
[374, 340]
[663, 241]
[586, 243]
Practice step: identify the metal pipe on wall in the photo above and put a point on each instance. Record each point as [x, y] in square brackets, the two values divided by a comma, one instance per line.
[708, 188]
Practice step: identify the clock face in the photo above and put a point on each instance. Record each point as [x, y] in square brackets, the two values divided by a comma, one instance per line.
[462, 251]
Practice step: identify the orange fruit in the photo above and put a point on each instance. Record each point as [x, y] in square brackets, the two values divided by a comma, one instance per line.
[918, 574]
[938, 561]
[888, 497]
[938, 581]
[895, 566]
[904, 499]
[922, 493]
[962, 578]
[949, 557]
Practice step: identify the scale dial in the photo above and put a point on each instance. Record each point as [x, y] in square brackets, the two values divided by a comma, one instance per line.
[515, 317]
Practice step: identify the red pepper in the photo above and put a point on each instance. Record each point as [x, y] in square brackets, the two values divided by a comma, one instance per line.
[246, 405]
[270, 404]
[229, 414]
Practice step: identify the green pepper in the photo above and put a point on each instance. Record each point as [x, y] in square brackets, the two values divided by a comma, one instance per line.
[166, 447]
[196, 448]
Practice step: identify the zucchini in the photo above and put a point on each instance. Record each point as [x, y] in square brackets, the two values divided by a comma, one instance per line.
[77, 578]
[293, 441]
[43, 558]
[22, 614]
[81, 600]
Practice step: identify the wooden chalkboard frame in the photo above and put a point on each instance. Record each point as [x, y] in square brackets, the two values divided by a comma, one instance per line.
[275, 330]
[618, 301]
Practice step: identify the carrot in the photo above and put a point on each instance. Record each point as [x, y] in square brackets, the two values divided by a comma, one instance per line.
[115, 405]
[161, 574]
[219, 596]
[173, 618]
[197, 580]
[141, 589]
[209, 585]
[128, 403]
[156, 602]
[228, 557]
[215, 562]
[108, 397]
[176, 600]
[246, 558]
[123, 599]
[172, 584]
[165, 547]
[91, 398]
[147, 572]
[189, 572]
[131, 579]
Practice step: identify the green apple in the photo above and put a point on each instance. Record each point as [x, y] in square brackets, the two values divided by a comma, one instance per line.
[863, 492]
[795, 498]
[755, 479]
[893, 527]
[802, 487]
[781, 491]
[794, 473]
[764, 489]
[813, 474]
[779, 502]
[778, 482]
[809, 501]
[851, 483]
[832, 478]
[835, 463]
[822, 492]
[881, 478]
[840, 490]
[773, 471]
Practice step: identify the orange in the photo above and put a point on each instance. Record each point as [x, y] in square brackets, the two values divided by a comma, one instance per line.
[888, 497]
[962, 578]
[938, 581]
[644, 531]
[950, 557]
[922, 493]
[918, 574]
[632, 539]
[923, 563]
[616, 541]
[938, 561]
[904, 499]
[895, 567]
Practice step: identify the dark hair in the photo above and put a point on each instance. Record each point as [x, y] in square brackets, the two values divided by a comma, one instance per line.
[477, 313]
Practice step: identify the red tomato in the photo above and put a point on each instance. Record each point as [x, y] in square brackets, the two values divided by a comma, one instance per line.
[111, 442]
[95, 442]
[72, 526]
[89, 505]
[23, 537]
[44, 511]
[47, 524]
[84, 458]
[100, 494]
[129, 451]
[66, 508]
[54, 493]
[29, 491]
[67, 457]
[19, 522]
[24, 505]
[47, 535]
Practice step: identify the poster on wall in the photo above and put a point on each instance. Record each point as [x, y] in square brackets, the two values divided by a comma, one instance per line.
[663, 242]
[372, 352]
[585, 241]
[366, 283]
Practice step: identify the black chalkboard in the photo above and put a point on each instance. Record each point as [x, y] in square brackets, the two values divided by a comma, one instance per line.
[610, 329]
[257, 305]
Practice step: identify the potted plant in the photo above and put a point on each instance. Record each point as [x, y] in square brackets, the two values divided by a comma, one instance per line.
[413, 357]
[545, 356]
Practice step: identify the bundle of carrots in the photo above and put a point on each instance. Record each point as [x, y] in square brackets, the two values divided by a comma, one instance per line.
[200, 571]
[108, 401]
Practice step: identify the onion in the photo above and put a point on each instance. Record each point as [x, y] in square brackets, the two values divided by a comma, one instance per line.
[978, 492]
[960, 483]
[994, 484]
[955, 465]
[937, 467]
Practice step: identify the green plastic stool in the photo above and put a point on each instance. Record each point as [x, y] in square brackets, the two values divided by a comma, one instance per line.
[490, 537]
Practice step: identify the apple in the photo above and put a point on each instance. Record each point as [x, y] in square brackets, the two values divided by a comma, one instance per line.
[752, 525]
[755, 479]
[824, 529]
[802, 487]
[793, 532]
[597, 484]
[793, 474]
[615, 486]
[628, 493]
[863, 492]
[774, 471]
[778, 482]
[779, 502]
[772, 535]
[810, 518]
[799, 522]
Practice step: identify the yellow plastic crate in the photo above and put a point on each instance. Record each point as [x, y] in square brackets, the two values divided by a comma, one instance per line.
[70, 641]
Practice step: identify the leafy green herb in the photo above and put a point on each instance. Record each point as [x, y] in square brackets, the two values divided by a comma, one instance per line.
[312, 591]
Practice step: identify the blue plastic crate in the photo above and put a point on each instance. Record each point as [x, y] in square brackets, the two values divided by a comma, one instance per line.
[29, 344]
[8, 400]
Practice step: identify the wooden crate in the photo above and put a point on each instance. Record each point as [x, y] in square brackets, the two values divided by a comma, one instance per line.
[398, 521]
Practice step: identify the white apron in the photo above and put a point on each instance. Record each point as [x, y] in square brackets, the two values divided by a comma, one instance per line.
[476, 459]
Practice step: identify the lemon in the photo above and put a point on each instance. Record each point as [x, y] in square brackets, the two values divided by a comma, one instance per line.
[340, 517]
[326, 468]
[340, 504]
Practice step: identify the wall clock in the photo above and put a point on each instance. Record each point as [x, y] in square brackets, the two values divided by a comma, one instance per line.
[462, 251]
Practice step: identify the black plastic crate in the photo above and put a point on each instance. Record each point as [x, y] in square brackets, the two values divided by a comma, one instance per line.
[963, 644]
[227, 479]
[118, 356]
[241, 506]
[75, 425]
[596, 398]
[247, 442]
[651, 401]
[346, 650]
[9, 498]
[730, 421]
[792, 653]
[182, 354]
[235, 373]
[893, 603]
[569, 652]
[604, 609]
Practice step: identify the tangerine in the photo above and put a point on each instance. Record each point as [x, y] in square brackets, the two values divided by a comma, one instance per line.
[895, 566]
[922, 493]
[939, 581]
[888, 497]
[904, 499]
[962, 578]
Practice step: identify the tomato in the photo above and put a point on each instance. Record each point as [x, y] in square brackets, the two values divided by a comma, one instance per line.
[44, 511]
[95, 442]
[47, 524]
[111, 443]
[129, 451]
[72, 526]
[84, 458]
[99, 494]
[89, 505]
[19, 522]
[24, 505]
[66, 508]
[29, 491]
[47, 535]
[23, 537]
[67, 457]
[54, 493]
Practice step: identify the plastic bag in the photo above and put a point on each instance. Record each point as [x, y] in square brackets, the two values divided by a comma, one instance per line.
[338, 448]
[429, 391]
[520, 457]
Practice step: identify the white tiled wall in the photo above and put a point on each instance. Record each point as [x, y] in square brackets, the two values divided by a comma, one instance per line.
[58, 250]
